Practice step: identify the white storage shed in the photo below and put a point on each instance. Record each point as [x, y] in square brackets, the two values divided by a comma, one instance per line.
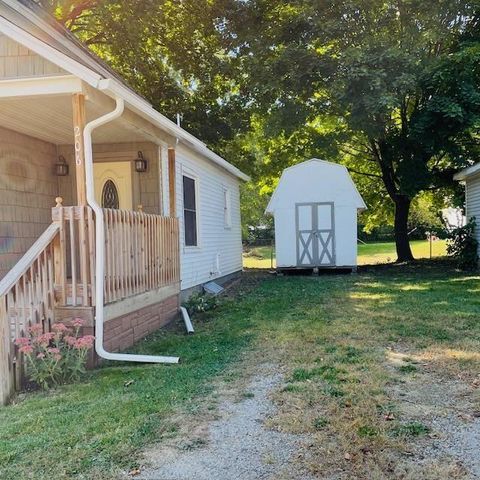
[315, 208]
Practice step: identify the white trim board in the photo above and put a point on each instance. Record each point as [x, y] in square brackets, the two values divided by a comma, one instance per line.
[32, 87]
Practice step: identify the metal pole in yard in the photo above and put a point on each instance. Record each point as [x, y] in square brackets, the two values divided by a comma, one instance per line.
[271, 254]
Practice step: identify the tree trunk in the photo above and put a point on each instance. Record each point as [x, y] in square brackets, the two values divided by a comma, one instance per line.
[402, 208]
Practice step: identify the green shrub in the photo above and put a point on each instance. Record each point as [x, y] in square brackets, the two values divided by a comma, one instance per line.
[200, 302]
[463, 246]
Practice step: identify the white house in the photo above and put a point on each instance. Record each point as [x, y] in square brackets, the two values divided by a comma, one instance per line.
[315, 208]
[470, 177]
[84, 156]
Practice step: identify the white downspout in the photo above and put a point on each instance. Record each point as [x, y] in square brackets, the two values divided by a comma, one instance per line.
[100, 247]
[186, 320]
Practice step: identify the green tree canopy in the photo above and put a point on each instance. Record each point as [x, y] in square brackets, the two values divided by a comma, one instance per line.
[389, 88]
[400, 78]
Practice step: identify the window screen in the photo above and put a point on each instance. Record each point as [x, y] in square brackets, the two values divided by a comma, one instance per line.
[189, 211]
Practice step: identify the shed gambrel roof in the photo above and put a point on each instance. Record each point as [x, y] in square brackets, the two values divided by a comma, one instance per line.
[348, 187]
[28, 24]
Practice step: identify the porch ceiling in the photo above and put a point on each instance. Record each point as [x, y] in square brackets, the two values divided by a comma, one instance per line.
[50, 118]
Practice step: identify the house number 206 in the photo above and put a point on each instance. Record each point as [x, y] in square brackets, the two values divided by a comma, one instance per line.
[78, 145]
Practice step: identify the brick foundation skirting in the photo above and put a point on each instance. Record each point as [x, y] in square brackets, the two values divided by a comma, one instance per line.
[122, 332]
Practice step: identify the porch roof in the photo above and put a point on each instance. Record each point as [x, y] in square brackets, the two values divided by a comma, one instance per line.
[42, 108]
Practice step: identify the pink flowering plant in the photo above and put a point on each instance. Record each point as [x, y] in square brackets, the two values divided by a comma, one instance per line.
[55, 357]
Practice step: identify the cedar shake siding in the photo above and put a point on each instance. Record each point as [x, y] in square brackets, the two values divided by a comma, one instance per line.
[17, 61]
[28, 187]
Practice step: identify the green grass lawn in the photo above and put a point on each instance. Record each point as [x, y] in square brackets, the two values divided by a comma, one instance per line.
[92, 429]
[368, 254]
[332, 334]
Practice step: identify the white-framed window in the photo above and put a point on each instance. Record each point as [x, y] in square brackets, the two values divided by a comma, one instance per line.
[227, 208]
[190, 211]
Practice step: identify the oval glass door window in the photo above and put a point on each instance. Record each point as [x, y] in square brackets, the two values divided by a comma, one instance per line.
[110, 195]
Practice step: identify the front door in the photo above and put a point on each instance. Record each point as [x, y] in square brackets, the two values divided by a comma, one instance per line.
[113, 184]
[315, 234]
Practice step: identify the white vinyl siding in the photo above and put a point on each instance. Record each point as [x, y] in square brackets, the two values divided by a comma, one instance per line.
[219, 250]
[472, 202]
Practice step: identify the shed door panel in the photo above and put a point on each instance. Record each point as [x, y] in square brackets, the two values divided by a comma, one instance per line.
[305, 235]
[305, 217]
[325, 234]
[325, 248]
[324, 216]
[315, 234]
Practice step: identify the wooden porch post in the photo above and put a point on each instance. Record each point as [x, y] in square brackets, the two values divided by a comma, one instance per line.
[78, 104]
[171, 182]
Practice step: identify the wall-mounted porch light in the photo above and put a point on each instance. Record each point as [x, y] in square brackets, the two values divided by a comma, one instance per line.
[140, 163]
[61, 167]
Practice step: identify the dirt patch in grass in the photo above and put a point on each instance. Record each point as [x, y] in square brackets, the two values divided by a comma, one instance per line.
[444, 406]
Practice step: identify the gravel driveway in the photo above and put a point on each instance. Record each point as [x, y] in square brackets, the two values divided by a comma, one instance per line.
[238, 445]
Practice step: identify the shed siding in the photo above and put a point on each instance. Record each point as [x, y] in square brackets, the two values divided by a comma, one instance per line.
[345, 236]
[472, 200]
[28, 188]
[285, 237]
[17, 61]
[198, 264]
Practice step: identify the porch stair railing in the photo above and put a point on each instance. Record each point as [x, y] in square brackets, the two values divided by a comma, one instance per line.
[27, 296]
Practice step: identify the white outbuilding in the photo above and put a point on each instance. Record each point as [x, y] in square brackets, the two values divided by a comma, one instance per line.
[315, 208]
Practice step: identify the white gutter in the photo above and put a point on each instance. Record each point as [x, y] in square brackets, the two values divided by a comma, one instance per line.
[100, 247]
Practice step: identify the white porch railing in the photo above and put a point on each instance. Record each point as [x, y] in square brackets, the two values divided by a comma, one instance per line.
[141, 253]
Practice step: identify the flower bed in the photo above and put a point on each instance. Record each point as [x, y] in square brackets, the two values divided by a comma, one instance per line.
[56, 357]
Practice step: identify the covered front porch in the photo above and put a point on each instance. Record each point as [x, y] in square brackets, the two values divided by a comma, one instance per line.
[51, 274]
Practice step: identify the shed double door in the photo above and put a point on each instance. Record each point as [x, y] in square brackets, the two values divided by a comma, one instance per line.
[315, 234]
